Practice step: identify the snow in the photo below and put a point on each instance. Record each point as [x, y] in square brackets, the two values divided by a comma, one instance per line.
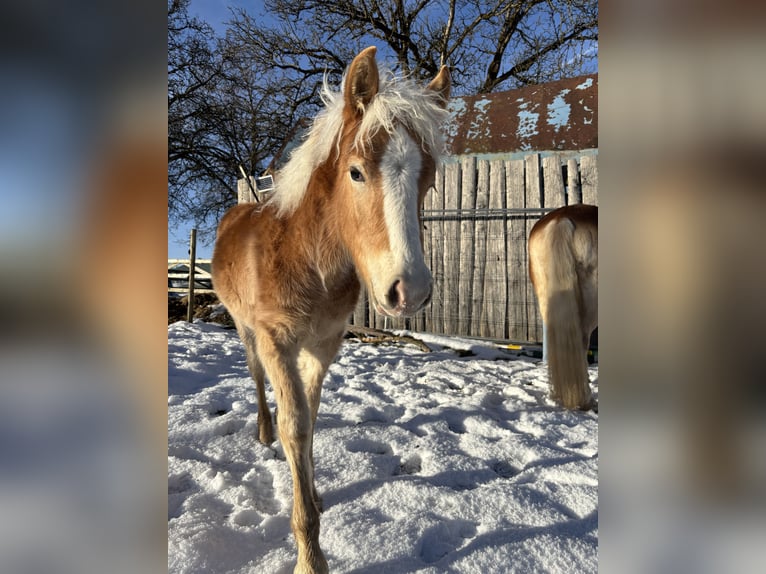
[426, 462]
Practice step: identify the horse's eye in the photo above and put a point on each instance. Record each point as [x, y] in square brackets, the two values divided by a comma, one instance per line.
[356, 175]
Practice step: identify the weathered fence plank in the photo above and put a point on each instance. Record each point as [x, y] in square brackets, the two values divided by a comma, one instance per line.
[360, 315]
[478, 301]
[574, 195]
[533, 200]
[467, 243]
[516, 247]
[553, 182]
[418, 322]
[436, 231]
[589, 179]
[493, 313]
[448, 298]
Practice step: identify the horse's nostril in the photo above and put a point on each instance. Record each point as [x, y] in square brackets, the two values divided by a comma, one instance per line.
[394, 295]
[428, 298]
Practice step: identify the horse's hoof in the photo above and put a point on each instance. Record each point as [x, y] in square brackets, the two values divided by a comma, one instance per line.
[266, 436]
[265, 431]
[590, 405]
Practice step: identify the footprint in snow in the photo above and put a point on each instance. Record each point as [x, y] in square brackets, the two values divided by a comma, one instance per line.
[445, 537]
[505, 469]
[455, 423]
[368, 445]
[261, 482]
[410, 465]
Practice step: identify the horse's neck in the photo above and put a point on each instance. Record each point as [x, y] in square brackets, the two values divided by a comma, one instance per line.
[319, 227]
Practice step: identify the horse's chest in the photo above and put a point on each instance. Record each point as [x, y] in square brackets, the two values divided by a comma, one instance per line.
[339, 295]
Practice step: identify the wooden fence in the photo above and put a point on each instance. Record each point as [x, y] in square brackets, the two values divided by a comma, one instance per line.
[477, 221]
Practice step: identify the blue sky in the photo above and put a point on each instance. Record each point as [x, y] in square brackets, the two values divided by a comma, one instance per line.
[216, 12]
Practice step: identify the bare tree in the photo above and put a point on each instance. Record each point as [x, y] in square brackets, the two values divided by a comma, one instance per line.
[194, 73]
[490, 44]
[219, 118]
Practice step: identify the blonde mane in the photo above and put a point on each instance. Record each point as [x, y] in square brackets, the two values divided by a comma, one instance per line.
[399, 100]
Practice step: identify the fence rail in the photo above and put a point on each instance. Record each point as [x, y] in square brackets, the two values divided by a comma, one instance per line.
[178, 276]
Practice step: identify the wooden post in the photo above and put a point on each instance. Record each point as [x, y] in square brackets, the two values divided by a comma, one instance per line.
[244, 195]
[192, 262]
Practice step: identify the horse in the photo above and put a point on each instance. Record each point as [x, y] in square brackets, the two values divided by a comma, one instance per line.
[345, 211]
[563, 268]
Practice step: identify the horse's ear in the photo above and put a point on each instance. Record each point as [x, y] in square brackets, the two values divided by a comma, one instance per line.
[362, 80]
[441, 84]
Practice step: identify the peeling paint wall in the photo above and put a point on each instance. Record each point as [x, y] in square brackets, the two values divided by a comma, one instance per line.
[559, 115]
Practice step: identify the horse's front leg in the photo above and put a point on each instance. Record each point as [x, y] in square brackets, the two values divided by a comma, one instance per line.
[314, 360]
[295, 426]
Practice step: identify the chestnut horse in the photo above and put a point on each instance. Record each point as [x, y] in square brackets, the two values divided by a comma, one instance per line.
[345, 210]
[563, 267]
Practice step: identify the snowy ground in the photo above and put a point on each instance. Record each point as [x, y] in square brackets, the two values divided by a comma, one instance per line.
[427, 462]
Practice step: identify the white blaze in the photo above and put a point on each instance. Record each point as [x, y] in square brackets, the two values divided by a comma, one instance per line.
[400, 168]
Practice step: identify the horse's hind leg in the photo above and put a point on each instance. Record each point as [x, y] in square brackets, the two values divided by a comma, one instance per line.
[265, 428]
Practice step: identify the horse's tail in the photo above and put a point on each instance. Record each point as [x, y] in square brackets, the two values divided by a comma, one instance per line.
[560, 295]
